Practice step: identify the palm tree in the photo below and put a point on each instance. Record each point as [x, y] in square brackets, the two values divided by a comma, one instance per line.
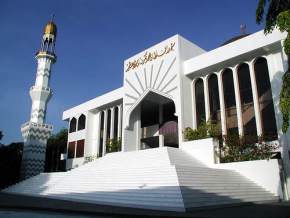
[278, 14]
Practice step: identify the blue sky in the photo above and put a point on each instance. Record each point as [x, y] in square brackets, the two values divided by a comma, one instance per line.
[94, 38]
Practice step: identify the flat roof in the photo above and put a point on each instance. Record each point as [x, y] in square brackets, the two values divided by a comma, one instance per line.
[94, 103]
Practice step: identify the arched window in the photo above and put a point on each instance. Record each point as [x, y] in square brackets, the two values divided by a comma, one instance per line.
[214, 101]
[101, 134]
[230, 101]
[247, 104]
[199, 102]
[73, 125]
[82, 122]
[268, 119]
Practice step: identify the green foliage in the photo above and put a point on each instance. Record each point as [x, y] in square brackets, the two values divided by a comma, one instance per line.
[278, 14]
[285, 101]
[56, 145]
[246, 148]
[113, 145]
[233, 147]
[274, 8]
[58, 139]
[283, 23]
[10, 162]
[204, 130]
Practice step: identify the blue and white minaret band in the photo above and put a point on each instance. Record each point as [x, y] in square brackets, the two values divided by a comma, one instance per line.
[35, 132]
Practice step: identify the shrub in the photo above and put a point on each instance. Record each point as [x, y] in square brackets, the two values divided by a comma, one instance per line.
[236, 148]
[113, 145]
[204, 130]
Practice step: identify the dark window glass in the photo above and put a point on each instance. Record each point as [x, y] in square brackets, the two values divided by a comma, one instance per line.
[71, 150]
[265, 99]
[230, 102]
[80, 148]
[169, 112]
[149, 113]
[101, 134]
[248, 112]
[82, 122]
[116, 122]
[199, 102]
[214, 101]
[109, 124]
[73, 125]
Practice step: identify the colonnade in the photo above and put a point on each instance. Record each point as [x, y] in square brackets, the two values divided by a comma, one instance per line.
[247, 90]
[107, 118]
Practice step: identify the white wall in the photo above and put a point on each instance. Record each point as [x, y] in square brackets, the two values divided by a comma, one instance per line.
[263, 172]
[130, 139]
[202, 149]
[92, 134]
[75, 162]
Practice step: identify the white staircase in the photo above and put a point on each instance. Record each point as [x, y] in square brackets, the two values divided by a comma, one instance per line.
[161, 178]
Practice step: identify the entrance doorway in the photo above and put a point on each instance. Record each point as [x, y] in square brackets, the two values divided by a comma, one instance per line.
[159, 124]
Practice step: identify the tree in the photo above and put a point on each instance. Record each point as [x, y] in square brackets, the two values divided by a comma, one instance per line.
[10, 163]
[278, 15]
[1, 135]
[56, 145]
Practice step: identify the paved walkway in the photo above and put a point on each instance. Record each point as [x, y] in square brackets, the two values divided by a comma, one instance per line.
[26, 206]
[6, 213]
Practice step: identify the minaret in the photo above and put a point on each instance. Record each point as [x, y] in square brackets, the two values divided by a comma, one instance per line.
[35, 132]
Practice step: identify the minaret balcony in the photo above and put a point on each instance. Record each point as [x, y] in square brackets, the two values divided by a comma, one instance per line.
[46, 54]
[39, 131]
[37, 125]
[40, 93]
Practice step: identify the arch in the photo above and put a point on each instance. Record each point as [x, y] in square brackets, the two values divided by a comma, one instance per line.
[247, 103]
[72, 125]
[199, 101]
[82, 122]
[214, 100]
[266, 105]
[137, 102]
[230, 101]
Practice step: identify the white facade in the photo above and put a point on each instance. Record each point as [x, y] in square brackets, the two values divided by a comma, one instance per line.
[167, 74]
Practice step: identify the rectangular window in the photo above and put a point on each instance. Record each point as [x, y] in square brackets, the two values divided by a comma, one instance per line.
[71, 150]
[80, 148]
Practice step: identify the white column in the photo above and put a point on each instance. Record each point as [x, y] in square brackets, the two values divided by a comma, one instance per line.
[277, 66]
[255, 99]
[105, 131]
[222, 103]
[206, 98]
[119, 121]
[161, 140]
[112, 122]
[194, 126]
[238, 101]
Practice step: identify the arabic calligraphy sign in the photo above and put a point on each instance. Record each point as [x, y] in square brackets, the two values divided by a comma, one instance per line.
[149, 56]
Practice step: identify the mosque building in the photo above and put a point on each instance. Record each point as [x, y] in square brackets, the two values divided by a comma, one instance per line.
[128, 148]
[176, 84]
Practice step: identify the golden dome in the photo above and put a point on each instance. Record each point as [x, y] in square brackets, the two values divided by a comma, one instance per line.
[50, 28]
